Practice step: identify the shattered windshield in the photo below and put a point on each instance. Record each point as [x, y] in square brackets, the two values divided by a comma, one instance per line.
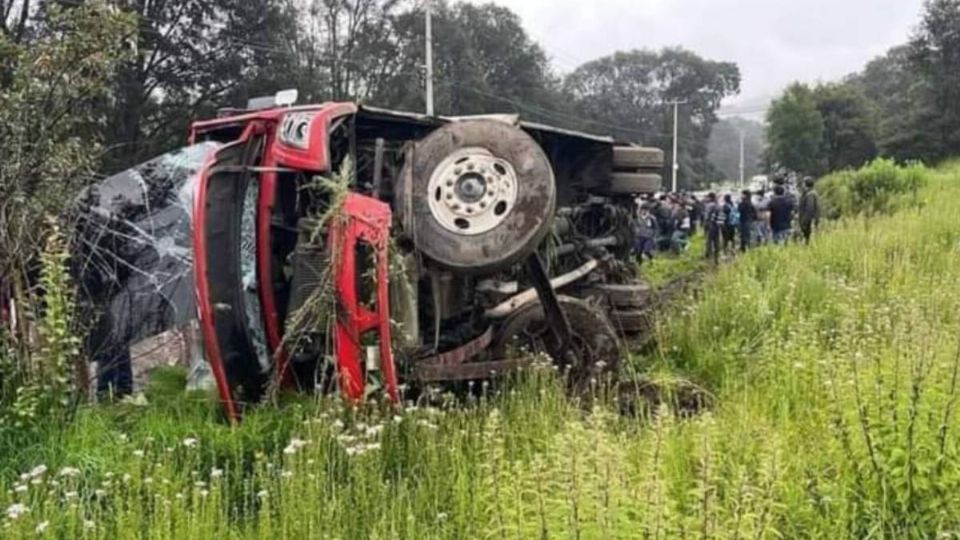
[133, 250]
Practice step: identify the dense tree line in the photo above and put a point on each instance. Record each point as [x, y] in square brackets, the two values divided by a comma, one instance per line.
[187, 58]
[904, 105]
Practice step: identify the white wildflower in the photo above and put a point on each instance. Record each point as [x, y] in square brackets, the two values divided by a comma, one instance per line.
[216, 473]
[87, 524]
[190, 442]
[20, 488]
[100, 492]
[69, 472]
[426, 424]
[14, 511]
[70, 495]
[200, 484]
[42, 526]
[262, 494]
[138, 453]
[38, 471]
[294, 446]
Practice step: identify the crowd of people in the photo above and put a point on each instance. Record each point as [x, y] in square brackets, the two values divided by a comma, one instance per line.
[755, 218]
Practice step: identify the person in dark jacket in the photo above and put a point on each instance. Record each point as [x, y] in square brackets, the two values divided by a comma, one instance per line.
[713, 220]
[809, 211]
[781, 215]
[748, 218]
[665, 225]
[696, 214]
[731, 221]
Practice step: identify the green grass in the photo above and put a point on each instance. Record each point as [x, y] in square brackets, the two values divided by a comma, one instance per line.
[834, 367]
[666, 267]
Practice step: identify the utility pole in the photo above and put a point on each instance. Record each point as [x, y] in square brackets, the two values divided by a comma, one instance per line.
[741, 159]
[676, 116]
[429, 40]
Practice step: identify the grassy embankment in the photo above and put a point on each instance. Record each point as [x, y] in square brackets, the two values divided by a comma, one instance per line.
[835, 369]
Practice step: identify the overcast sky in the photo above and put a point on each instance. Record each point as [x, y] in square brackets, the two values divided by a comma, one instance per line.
[773, 41]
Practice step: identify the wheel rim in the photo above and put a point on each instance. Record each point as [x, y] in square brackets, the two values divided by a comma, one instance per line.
[472, 192]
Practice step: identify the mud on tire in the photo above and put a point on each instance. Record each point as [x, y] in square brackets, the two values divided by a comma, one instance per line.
[429, 190]
[595, 342]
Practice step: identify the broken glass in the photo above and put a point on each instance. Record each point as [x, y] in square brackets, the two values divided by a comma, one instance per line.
[133, 252]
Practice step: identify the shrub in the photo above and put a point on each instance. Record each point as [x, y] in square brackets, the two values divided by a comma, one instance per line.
[877, 188]
[36, 383]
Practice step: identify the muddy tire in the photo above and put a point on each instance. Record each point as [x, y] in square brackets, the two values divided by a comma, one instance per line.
[595, 344]
[631, 296]
[637, 157]
[476, 196]
[624, 183]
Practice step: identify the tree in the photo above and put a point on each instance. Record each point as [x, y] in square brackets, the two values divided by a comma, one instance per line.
[934, 53]
[795, 131]
[904, 111]
[849, 131]
[627, 93]
[189, 56]
[487, 64]
[50, 104]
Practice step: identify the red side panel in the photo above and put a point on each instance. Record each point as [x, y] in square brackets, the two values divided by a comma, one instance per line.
[365, 220]
[298, 145]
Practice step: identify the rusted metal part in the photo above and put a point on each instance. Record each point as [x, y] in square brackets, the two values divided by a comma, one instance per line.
[607, 241]
[556, 318]
[455, 365]
[514, 303]
[460, 355]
